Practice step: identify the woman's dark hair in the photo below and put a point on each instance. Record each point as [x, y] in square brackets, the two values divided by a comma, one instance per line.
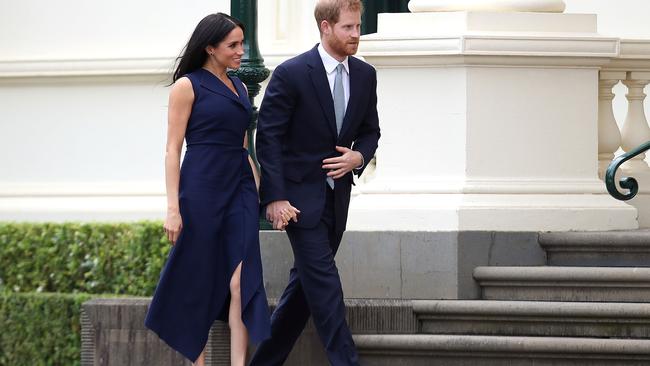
[210, 31]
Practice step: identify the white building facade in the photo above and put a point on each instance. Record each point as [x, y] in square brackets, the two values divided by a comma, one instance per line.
[83, 101]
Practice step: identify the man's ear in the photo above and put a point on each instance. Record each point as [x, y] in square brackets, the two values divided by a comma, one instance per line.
[325, 27]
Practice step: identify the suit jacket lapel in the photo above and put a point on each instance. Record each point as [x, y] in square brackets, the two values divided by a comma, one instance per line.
[322, 87]
[355, 92]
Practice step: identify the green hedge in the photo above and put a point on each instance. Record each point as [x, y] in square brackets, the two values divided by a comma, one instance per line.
[95, 258]
[40, 329]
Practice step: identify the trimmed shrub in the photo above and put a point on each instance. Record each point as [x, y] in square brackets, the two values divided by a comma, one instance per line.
[39, 262]
[95, 258]
[40, 328]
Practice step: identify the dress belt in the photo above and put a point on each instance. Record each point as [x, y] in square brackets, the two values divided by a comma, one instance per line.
[217, 144]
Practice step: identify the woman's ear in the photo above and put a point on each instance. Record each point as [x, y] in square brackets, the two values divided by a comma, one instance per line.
[209, 50]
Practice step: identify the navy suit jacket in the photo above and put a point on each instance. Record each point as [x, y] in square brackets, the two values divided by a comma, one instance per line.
[297, 130]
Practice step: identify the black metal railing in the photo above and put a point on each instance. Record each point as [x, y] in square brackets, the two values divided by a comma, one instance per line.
[628, 183]
[252, 72]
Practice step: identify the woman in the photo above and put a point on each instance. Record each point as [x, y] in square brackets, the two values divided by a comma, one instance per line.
[214, 270]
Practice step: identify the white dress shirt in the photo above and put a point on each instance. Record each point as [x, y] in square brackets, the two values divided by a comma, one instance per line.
[330, 64]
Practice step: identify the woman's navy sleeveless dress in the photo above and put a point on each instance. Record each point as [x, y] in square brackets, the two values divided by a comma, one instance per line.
[220, 211]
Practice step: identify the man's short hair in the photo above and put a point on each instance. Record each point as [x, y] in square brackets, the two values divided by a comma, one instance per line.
[330, 10]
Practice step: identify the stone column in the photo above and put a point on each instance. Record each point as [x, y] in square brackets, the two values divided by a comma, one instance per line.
[489, 120]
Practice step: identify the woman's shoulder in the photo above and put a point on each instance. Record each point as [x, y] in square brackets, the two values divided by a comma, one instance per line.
[194, 76]
[182, 88]
[191, 80]
[183, 82]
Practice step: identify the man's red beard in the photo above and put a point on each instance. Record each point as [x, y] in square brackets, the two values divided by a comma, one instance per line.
[344, 48]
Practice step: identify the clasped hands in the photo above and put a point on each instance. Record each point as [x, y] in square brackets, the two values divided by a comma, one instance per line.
[279, 213]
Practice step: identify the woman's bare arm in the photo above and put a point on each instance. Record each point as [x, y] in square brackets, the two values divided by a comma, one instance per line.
[181, 98]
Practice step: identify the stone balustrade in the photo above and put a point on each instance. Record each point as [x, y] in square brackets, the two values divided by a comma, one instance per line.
[635, 130]
[632, 69]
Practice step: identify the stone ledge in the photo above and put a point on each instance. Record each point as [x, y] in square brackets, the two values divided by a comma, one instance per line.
[484, 21]
[570, 275]
[114, 333]
[160, 66]
[551, 6]
[614, 248]
[533, 308]
[420, 350]
[574, 50]
[529, 345]
[564, 283]
[606, 239]
[532, 318]
[407, 265]
[377, 316]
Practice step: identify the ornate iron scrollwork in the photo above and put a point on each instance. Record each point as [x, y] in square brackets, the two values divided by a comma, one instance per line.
[628, 183]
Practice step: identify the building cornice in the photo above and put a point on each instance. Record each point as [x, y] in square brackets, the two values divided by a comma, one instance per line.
[490, 49]
[634, 55]
[86, 67]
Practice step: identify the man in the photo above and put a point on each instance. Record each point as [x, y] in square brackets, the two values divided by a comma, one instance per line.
[317, 124]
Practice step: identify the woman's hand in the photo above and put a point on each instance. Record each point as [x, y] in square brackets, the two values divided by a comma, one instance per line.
[280, 212]
[173, 226]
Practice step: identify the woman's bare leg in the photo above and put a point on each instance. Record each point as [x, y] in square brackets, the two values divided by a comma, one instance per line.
[238, 332]
[201, 360]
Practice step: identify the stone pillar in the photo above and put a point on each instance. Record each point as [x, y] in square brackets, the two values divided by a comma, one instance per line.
[489, 121]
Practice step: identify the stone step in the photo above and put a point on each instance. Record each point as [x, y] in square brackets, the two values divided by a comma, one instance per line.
[550, 283]
[604, 249]
[458, 350]
[533, 318]
[115, 327]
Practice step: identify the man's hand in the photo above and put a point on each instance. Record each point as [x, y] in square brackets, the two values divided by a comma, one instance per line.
[341, 165]
[280, 212]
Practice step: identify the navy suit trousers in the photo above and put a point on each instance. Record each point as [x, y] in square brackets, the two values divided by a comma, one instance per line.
[314, 289]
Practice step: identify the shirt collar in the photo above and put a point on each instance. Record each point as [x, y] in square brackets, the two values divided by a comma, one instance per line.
[330, 62]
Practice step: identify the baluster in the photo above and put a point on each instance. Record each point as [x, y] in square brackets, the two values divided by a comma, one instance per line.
[635, 130]
[609, 136]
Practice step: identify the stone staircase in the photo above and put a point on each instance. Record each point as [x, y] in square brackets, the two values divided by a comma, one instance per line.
[590, 305]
